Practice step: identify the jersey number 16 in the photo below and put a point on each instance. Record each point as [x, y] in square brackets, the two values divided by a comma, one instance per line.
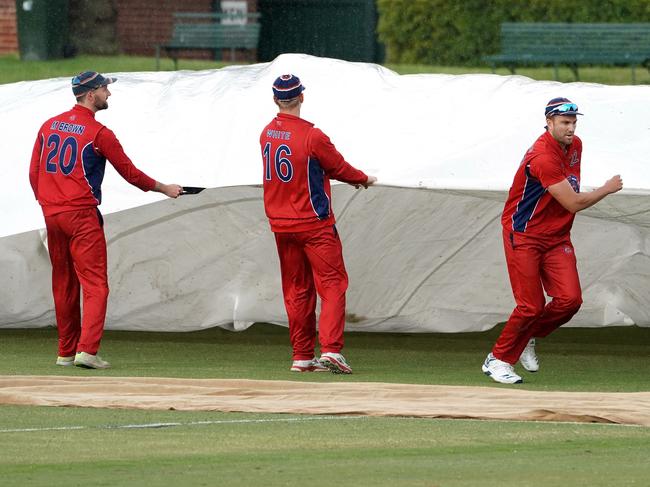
[283, 167]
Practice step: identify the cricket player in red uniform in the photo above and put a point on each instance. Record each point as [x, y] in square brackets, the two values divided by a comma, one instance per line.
[66, 173]
[537, 221]
[298, 162]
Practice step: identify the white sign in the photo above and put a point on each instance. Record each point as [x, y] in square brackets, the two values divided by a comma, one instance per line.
[236, 11]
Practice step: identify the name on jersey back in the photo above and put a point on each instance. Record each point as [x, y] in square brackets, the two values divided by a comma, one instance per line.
[278, 134]
[71, 128]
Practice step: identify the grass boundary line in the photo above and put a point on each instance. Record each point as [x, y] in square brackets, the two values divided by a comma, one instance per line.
[174, 424]
[296, 420]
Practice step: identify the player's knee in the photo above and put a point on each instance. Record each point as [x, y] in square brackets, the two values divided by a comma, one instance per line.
[332, 294]
[99, 291]
[531, 310]
[571, 303]
[103, 293]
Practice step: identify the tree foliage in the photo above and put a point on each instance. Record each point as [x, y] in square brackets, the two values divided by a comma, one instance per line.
[459, 32]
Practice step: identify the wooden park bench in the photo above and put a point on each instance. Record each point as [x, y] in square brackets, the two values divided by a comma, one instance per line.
[211, 31]
[568, 44]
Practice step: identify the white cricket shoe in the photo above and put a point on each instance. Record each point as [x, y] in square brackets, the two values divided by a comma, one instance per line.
[500, 371]
[312, 365]
[65, 361]
[528, 358]
[335, 362]
[89, 361]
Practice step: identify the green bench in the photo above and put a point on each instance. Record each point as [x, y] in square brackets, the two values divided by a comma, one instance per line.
[572, 45]
[211, 31]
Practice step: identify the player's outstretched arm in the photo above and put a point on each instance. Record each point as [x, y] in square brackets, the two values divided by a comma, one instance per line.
[575, 202]
[171, 190]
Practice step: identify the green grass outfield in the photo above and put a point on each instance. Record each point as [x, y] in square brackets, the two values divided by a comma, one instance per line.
[101, 447]
[12, 69]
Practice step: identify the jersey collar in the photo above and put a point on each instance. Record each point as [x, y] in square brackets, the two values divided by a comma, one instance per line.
[82, 109]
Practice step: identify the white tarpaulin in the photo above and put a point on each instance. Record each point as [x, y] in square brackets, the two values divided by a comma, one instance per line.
[423, 253]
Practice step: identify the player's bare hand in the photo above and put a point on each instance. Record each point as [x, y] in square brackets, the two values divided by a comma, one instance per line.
[174, 190]
[369, 182]
[614, 184]
[170, 190]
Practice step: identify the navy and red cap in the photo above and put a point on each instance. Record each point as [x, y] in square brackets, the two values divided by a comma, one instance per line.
[561, 106]
[287, 87]
[89, 80]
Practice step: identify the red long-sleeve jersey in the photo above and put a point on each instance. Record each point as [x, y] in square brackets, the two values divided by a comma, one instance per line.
[298, 162]
[530, 208]
[69, 160]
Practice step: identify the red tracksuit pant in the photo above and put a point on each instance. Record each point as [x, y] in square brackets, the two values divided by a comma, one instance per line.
[312, 262]
[77, 248]
[535, 265]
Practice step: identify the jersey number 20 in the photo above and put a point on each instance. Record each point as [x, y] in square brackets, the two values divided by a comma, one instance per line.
[64, 154]
[283, 167]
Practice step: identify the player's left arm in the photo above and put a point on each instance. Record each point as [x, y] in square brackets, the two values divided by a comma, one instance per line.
[575, 202]
[548, 169]
[107, 144]
[333, 163]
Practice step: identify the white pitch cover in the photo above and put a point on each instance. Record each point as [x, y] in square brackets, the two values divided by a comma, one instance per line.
[423, 250]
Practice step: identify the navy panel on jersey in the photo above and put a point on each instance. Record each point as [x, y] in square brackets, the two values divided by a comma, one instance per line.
[94, 166]
[533, 191]
[319, 200]
[575, 184]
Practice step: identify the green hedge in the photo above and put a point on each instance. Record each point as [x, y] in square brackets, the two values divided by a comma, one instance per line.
[93, 25]
[459, 32]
